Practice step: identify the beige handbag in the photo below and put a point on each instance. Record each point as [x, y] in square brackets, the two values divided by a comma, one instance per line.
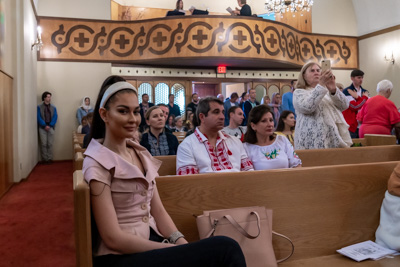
[251, 227]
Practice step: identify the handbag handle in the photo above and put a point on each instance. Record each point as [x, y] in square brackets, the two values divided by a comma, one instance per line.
[287, 238]
[237, 226]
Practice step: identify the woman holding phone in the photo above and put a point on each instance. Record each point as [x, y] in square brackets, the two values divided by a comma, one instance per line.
[319, 105]
[133, 227]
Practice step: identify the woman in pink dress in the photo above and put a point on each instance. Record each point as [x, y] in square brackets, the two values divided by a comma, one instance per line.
[379, 115]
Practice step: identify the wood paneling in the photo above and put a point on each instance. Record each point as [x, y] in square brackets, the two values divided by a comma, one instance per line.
[6, 133]
[193, 41]
[301, 23]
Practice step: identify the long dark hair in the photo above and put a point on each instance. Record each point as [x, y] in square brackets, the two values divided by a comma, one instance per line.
[255, 117]
[98, 127]
[281, 124]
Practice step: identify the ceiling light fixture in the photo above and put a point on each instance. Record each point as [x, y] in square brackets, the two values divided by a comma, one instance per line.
[283, 6]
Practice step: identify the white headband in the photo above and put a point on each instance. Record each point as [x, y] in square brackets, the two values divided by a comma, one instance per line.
[118, 86]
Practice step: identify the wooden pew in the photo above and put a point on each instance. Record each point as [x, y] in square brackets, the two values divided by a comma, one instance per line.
[319, 157]
[180, 136]
[83, 238]
[80, 137]
[379, 139]
[321, 209]
[78, 161]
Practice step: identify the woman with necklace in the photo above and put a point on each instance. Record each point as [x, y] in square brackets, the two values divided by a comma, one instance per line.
[157, 141]
[265, 149]
[132, 225]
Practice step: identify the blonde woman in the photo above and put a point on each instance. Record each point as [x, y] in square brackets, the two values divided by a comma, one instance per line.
[319, 105]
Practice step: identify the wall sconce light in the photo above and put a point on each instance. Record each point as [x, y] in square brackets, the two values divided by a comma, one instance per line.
[38, 43]
[389, 59]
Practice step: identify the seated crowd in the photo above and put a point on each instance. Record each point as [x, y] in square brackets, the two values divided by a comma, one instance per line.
[121, 171]
[239, 134]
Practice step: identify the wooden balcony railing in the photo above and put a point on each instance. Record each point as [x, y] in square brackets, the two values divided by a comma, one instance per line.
[193, 41]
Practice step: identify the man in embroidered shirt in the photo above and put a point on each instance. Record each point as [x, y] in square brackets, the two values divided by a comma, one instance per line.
[209, 149]
[236, 117]
[357, 97]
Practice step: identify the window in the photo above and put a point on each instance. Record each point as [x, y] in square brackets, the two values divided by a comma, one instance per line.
[161, 93]
[179, 91]
[145, 88]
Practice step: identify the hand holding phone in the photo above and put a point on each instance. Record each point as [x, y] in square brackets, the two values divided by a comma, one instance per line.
[325, 65]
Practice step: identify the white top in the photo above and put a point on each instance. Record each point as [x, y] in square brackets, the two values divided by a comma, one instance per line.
[279, 155]
[195, 155]
[237, 132]
[320, 122]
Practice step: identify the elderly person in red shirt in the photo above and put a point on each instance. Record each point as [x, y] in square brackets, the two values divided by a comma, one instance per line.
[379, 115]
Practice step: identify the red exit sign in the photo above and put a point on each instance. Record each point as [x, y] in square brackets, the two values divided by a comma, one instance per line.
[221, 69]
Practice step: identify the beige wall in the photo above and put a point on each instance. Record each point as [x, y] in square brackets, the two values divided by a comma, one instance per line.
[373, 15]
[334, 17]
[69, 82]
[231, 88]
[372, 51]
[19, 61]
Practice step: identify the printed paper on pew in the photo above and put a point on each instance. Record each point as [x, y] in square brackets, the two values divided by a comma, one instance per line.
[366, 250]
[229, 9]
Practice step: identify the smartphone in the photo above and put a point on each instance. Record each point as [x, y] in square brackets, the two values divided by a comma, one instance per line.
[325, 65]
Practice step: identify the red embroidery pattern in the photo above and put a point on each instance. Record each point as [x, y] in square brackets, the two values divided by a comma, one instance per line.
[246, 164]
[185, 170]
[219, 158]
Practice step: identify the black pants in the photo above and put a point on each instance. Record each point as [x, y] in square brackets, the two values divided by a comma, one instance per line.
[216, 251]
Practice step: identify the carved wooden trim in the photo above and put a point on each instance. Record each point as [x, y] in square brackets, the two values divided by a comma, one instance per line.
[188, 37]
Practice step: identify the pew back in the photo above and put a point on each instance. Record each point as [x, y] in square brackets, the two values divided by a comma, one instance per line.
[83, 238]
[320, 208]
[319, 157]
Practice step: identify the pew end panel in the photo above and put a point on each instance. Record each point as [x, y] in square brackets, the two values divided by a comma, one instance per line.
[380, 139]
[82, 220]
[319, 157]
[320, 208]
[352, 155]
[78, 161]
[168, 166]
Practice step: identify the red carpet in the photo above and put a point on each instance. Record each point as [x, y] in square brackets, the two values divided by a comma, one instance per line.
[36, 219]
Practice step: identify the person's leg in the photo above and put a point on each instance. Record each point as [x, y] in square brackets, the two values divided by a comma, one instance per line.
[50, 140]
[215, 251]
[354, 134]
[43, 144]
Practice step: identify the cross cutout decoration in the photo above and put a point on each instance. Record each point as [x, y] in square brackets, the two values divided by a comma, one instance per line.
[306, 50]
[122, 41]
[291, 45]
[240, 37]
[81, 39]
[272, 40]
[332, 52]
[200, 37]
[159, 39]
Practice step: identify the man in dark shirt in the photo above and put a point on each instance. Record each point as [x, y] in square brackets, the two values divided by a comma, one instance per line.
[47, 118]
[195, 101]
[144, 106]
[245, 9]
[173, 108]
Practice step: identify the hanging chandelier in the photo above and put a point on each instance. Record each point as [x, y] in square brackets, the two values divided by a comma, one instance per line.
[282, 6]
